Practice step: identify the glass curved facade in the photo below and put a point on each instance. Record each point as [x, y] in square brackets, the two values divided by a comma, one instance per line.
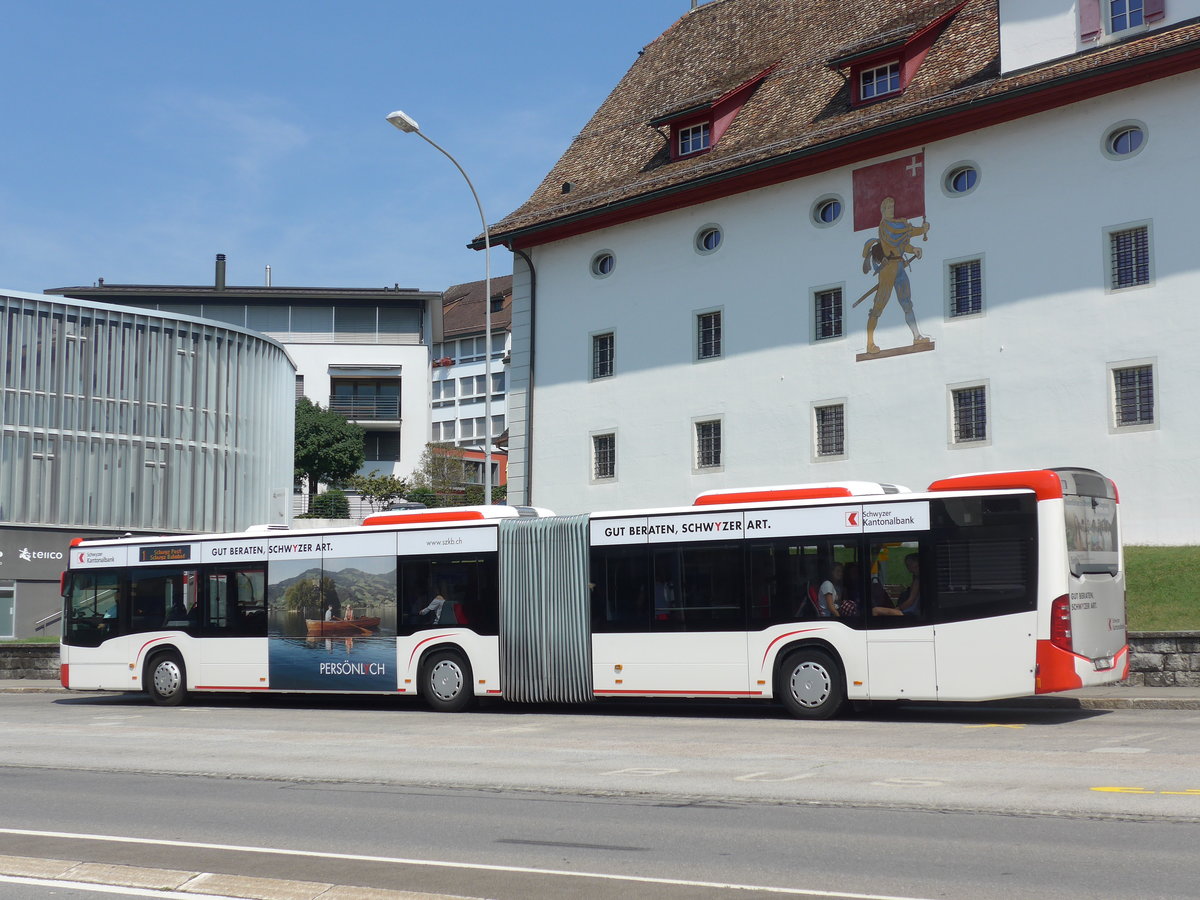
[122, 418]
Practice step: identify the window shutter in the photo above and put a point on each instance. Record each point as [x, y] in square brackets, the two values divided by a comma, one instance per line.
[1089, 20]
[1154, 10]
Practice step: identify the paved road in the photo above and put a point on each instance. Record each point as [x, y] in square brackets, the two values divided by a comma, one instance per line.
[908, 803]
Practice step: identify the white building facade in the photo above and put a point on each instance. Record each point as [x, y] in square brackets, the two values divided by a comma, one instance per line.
[991, 269]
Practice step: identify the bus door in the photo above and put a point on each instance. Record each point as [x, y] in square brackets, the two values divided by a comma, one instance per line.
[900, 647]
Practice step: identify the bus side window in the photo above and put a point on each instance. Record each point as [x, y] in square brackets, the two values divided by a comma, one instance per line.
[235, 605]
[93, 608]
[620, 590]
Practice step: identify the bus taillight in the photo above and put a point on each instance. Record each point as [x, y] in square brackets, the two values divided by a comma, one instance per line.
[1060, 624]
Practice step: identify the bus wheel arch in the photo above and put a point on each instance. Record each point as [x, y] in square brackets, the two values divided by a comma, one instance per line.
[446, 681]
[810, 681]
[164, 677]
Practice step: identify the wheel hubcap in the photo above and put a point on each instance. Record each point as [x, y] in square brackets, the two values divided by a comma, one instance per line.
[167, 678]
[446, 680]
[811, 684]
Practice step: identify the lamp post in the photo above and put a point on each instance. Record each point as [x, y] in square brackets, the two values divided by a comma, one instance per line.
[408, 125]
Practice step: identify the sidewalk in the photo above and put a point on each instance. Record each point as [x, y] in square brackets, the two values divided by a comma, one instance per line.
[1108, 697]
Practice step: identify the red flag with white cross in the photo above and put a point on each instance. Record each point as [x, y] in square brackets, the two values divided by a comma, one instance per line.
[902, 179]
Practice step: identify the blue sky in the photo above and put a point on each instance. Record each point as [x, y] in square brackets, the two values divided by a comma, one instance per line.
[142, 138]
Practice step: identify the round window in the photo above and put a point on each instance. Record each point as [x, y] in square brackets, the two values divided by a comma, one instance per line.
[1125, 141]
[708, 239]
[603, 263]
[962, 180]
[827, 210]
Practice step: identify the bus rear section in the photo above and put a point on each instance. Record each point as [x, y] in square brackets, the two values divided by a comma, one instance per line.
[1087, 642]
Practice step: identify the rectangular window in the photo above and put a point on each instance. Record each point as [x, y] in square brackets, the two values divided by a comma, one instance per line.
[708, 335]
[443, 392]
[383, 446]
[603, 349]
[1129, 257]
[604, 456]
[828, 308]
[1125, 14]
[708, 444]
[693, 139]
[443, 431]
[1133, 396]
[970, 414]
[879, 81]
[299, 387]
[966, 288]
[831, 430]
[497, 382]
[473, 387]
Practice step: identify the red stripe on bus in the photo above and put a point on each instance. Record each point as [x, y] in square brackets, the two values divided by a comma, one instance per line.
[409, 518]
[1042, 482]
[767, 496]
[782, 637]
[226, 687]
[420, 644]
[63, 674]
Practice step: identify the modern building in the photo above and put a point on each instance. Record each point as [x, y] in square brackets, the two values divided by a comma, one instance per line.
[459, 385]
[116, 419]
[819, 241]
[363, 352]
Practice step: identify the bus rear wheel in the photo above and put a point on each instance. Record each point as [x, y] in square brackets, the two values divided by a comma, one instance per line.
[446, 684]
[165, 679]
[811, 685]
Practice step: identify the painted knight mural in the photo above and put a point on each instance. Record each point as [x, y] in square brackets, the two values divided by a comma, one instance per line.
[887, 196]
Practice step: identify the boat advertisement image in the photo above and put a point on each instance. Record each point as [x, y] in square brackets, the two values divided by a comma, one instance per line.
[332, 625]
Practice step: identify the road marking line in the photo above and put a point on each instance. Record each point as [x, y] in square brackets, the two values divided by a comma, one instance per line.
[109, 888]
[480, 867]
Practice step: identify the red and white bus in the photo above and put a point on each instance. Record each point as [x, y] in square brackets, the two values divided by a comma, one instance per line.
[980, 587]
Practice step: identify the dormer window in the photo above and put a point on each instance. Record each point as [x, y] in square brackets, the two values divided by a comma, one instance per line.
[878, 81]
[698, 126]
[694, 138]
[1125, 14]
[884, 65]
[1102, 19]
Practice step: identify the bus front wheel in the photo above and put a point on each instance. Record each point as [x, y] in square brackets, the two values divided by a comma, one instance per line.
[447, 685]
[811, 685]
[165, 679]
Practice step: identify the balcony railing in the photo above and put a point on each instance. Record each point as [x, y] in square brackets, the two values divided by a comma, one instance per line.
[366, 408]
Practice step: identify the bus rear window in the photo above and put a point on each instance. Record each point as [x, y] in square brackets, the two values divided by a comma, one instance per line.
[1092, 540]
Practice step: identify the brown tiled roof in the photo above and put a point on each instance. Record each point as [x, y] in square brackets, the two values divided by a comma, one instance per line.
[802, 108]
[463, 310]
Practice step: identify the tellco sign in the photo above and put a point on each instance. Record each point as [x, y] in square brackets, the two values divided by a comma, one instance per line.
[20, 560]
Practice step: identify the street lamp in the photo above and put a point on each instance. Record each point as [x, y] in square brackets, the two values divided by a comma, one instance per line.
[408, 125]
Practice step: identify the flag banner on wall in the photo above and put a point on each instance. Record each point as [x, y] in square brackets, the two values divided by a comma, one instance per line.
[902, 179]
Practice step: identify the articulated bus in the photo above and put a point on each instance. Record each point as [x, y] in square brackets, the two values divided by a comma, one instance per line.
[981, 587]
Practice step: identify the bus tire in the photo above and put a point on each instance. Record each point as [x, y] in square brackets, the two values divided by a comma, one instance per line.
[446, 682]
[811, 685]
[165, 678]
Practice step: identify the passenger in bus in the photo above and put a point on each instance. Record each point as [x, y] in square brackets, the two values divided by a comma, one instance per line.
[909, 601]
[829, 594]
[434, 608]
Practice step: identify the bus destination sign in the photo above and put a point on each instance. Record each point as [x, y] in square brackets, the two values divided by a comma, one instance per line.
[165, 554]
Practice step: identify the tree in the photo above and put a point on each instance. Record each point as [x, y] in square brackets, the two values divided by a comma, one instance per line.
[328, 447]
[442, 472]
[381, 491]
